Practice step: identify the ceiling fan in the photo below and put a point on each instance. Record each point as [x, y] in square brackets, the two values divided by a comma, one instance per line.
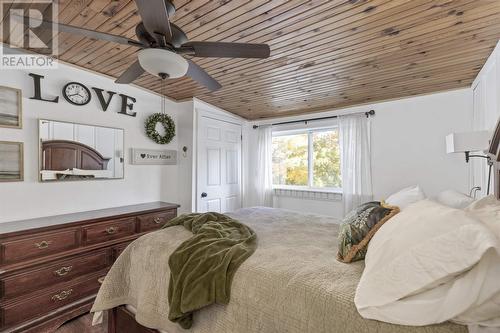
[163, 45]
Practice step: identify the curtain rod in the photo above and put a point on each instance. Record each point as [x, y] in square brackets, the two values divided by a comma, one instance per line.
[367, 114]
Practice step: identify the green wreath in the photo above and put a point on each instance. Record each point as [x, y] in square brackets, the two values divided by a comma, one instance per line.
[168, 125]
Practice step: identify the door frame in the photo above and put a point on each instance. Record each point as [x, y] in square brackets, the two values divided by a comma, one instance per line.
[204, 109]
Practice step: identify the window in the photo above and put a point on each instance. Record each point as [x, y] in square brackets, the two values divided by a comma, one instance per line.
[307, 159]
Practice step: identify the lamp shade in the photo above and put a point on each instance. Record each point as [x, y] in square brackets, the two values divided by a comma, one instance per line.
[467, 141]
[157, 61]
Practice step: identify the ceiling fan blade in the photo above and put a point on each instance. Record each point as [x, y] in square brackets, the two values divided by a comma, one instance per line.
[143, 35]
[155, 16]
[131, 74]
[178, 36]
[81, 31]
[225, 50]
[199, 75]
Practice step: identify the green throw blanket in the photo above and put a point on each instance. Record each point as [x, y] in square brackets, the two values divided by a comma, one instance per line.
[203, 267]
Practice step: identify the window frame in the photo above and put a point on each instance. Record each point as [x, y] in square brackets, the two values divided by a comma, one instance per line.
[310, 159]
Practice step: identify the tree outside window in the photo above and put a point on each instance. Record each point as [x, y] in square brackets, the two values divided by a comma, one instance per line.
[308, 159]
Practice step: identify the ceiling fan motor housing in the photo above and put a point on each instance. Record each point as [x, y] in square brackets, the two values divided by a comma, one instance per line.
[159, 62]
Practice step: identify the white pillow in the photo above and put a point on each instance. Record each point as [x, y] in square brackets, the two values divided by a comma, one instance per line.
[406, 197]
[454, 199]
[429, 264]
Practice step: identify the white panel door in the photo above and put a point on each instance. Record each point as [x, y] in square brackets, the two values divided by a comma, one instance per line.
[478, 173]
[485, 114]
[44, 130]
[219, 166]
[118, 156]
[62, 131]
[105, 144]
[85, 134]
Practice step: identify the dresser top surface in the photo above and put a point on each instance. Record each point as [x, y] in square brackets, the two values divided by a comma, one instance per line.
[50, 222]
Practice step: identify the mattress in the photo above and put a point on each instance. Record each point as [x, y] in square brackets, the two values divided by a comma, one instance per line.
[292, 283]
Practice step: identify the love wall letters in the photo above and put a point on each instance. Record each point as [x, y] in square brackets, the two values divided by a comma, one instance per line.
[104, 97]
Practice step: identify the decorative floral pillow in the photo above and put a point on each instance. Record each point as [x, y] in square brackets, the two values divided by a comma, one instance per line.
[359, 226]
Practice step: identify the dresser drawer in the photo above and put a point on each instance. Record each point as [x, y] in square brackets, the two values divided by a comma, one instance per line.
[34, 247]
[34, 306]
[102, 232]
[50, 275]
[155, 221]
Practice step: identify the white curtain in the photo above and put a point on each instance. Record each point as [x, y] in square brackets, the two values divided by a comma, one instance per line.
[354, 139]
[263, 173]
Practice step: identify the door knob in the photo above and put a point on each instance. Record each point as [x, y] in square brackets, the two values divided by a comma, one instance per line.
[204, 195]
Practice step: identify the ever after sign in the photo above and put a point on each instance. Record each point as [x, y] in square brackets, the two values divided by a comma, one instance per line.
[154, 157]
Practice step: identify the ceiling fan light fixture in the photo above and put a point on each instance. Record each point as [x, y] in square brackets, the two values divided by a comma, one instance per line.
[159, 61]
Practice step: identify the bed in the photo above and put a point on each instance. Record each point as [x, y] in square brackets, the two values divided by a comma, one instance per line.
[64, 159]
[292, 283]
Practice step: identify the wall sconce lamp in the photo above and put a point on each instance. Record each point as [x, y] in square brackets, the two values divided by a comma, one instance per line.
[467, 142]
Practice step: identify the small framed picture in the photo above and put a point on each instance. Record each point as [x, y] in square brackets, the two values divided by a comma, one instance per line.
[11, 107]
[11, 161]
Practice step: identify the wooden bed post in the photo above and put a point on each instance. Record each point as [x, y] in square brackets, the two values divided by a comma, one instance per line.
[121, 320]
[496, 175]
[496, 168]
[112, 320]
[494, 153]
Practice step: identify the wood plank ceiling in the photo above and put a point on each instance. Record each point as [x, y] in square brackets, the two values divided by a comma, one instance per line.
[325, 54]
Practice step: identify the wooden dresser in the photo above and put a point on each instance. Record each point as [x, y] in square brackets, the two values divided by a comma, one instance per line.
[49, 267]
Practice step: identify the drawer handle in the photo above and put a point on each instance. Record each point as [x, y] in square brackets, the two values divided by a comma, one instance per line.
[43, 244]
[62, 295]
[157, 220]
[111, 230]
[63, 270]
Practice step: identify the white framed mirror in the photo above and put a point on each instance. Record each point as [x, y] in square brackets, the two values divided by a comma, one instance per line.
[71, 151]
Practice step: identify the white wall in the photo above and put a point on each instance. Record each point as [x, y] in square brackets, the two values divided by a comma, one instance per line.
[331, 208]
[408, 147]
[408, 139]
[185, 136]
[141, 183]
